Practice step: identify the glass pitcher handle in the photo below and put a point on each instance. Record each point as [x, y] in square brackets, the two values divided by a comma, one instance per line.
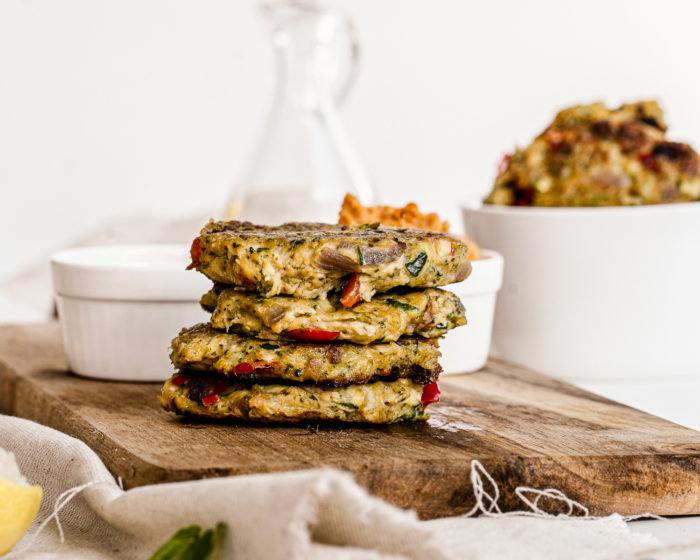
[350, 31]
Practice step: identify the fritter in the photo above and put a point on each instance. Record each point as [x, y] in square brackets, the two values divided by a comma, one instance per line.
[429, 313]
[332, 363]
[593, 156]
[378, 403]
[309, 260]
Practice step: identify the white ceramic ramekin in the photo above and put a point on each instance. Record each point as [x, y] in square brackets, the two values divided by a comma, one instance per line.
[119, 306]
[597, 293]
[466, 348]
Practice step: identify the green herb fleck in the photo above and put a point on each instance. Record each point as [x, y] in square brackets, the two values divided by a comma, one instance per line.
[359, 255]
[269, 346]
[349, 405]
[416, 265]
[401, 305]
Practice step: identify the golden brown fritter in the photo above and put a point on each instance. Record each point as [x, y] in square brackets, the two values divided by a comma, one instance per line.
[593, 156]
[311, 260]
[332, 363]
[429, 313]
[378, 403]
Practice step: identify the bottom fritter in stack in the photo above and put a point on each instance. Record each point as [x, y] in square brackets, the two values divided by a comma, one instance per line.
[297, 332]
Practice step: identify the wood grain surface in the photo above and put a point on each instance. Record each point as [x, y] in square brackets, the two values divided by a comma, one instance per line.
[526, 429]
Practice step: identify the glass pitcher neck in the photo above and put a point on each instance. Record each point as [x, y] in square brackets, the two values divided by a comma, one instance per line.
[306, 37]
[304, 161]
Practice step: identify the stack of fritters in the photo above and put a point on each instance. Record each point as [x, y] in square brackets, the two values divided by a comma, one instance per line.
[317, 322]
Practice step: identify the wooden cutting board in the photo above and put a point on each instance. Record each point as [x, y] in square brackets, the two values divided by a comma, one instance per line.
[526, 429]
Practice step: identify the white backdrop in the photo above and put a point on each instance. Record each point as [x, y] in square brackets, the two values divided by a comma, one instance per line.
[122, 107]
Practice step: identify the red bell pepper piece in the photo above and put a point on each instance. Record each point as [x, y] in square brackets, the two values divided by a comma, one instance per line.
[648, 161]
[179, 379]
[351, 293]
[312, 335]
[259, 364]
[246, 368]
[243, 369]
[248, 283]
[503, 165]
[431, 394]
[195, 254]
[210, 399]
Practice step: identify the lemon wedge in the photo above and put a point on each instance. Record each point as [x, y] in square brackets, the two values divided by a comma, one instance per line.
[19, 503]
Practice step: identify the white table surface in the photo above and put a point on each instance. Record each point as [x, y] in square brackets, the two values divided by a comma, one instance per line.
[677, 400]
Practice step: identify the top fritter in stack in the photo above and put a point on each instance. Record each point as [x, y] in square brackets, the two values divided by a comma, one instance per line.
[317, 322]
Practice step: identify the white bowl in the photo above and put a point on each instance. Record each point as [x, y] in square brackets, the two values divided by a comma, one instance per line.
[596, 293]
[119, 306]
[466, 348]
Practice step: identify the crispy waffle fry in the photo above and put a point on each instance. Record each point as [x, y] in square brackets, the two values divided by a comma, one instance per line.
[354, 213]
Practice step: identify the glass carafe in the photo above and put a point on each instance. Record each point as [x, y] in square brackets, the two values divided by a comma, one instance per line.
[304, 162]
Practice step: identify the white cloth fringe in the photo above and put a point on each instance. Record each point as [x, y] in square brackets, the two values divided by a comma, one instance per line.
[487, 503]
[62, 501]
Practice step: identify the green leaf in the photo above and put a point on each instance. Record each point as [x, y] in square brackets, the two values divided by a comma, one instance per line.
[219, 535]
[202, 548]
[416, 265]
[189, 543]
[180, 541]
